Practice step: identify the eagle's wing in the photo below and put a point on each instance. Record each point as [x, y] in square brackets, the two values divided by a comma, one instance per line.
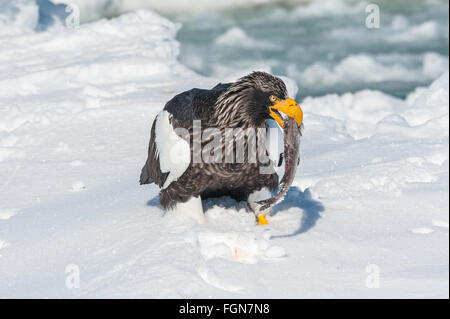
[151, 172]
[169, 149]
[169, 154]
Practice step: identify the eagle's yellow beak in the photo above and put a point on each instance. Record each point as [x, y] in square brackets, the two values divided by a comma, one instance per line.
[288, 107]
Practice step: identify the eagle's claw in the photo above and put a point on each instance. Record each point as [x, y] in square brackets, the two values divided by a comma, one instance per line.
[262, 220]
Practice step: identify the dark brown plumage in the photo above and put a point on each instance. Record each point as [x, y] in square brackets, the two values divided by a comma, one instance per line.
[242, 104]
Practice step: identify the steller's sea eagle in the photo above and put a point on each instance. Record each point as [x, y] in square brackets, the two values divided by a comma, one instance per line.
[181, 138]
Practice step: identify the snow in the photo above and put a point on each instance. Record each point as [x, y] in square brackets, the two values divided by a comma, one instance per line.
[7, 213]
[236, 37]
[78, 186]
[426, 30]
[363, 67]
[364, 112]
[329, 7]
[17, 16]
[76, 107]
[93, 10]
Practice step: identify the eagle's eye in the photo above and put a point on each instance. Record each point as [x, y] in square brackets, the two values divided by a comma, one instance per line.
[273, 98]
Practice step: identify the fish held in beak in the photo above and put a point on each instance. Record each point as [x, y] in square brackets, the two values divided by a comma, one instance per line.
[290, 108]
[292, 133]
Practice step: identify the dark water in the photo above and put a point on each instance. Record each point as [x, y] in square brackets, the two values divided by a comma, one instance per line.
[324, 45]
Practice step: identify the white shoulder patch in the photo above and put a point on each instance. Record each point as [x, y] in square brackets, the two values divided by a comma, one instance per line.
[275, 141]
[275, 144]
[174, 152]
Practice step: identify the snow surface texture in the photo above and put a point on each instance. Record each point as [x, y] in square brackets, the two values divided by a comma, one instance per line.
[366, 217]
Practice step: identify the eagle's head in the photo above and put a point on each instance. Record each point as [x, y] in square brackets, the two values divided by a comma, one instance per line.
[255, 98]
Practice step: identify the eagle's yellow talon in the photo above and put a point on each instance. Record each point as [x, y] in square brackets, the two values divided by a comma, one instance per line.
[262, 220]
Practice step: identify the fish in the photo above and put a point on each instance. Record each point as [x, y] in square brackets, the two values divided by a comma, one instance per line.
[292, 133]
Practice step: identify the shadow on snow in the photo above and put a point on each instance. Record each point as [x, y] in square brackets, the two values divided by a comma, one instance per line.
[294, 198]
[303, 200]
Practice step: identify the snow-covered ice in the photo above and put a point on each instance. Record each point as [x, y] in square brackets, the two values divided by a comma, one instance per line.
[76, 108]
